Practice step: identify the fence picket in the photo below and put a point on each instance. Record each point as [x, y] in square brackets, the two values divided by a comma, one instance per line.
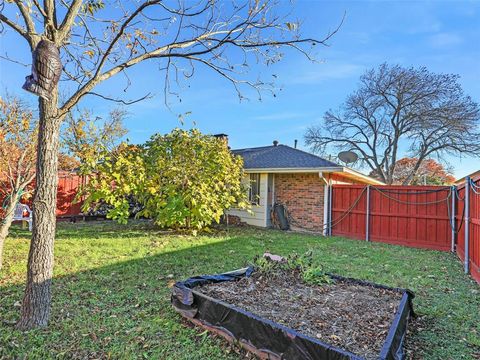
[467, 227]
[367, 225]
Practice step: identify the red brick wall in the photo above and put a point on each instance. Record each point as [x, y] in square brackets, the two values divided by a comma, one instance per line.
[302, 194]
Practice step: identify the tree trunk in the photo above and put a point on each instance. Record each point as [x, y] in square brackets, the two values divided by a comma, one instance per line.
[5, 225]
[37, 298]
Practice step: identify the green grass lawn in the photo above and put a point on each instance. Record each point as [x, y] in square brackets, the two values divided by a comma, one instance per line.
[111, 290]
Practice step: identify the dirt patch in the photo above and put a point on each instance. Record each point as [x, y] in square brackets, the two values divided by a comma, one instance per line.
[353, 317]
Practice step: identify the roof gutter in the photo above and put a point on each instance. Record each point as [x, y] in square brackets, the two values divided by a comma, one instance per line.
[320, 174]
[295, 170]
[322, 170]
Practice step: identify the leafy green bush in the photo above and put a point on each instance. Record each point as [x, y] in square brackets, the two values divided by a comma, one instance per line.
[183, 179]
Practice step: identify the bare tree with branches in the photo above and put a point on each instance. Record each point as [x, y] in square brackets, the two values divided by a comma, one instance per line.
[397, 108]
[98, 40]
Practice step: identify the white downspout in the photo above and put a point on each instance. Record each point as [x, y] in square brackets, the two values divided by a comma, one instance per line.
[272, 200]
[326, 196]
[273, 189]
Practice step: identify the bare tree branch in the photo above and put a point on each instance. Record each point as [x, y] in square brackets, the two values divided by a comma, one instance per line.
[40, 9]
[121, 32]
[159, 52]
[6, 57]
[18, 28]
[67, 22]
[121, 101]
[26, 17]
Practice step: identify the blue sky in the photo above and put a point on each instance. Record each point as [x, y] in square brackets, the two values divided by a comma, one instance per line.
[442, 35]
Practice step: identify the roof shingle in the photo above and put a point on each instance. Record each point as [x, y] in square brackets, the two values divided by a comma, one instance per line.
[280, 157]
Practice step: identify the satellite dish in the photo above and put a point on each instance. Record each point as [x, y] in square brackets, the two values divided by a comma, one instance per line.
[347, 157]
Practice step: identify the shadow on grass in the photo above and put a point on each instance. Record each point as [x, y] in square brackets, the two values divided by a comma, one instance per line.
[102, 229]
[122, 310]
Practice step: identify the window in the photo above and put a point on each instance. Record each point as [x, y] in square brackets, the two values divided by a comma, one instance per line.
[254, 193]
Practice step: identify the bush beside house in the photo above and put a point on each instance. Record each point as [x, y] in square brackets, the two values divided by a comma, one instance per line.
[183, 179]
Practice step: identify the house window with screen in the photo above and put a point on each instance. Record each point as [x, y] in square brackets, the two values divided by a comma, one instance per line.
[254, 194]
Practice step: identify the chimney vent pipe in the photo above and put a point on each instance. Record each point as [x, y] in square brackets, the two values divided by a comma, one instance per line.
[223, 137]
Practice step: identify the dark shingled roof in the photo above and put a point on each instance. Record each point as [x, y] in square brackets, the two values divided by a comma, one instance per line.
[280, 157]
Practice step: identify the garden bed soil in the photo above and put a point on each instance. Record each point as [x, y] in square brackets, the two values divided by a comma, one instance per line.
[351, 316]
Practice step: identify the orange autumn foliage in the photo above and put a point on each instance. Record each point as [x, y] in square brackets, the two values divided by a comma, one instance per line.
[430, 172]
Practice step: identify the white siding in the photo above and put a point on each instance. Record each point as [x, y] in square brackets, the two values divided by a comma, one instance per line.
[258, 214]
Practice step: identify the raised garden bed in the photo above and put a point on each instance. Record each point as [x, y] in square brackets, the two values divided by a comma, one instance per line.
[279, 316]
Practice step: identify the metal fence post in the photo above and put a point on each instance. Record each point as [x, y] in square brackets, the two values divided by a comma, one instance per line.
[367, 225]
[330, 205]
[467, 223]
[453, 220]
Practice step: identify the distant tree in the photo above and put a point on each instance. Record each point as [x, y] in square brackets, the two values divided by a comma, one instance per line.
[183, 180]
[18, 129]
[84, 137]
[92, 41]
[430, 172]
[396, 107]
[67, 162]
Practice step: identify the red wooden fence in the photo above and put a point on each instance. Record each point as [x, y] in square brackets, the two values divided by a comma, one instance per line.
[468, 218]
[429, 217]
[348, 211]
[68, 187]
[415, 216]
[475, 231]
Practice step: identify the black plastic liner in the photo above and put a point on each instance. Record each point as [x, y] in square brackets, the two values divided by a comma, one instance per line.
[270, 340]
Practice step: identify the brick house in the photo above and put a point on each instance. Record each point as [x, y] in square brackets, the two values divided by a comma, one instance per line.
[295, 178]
